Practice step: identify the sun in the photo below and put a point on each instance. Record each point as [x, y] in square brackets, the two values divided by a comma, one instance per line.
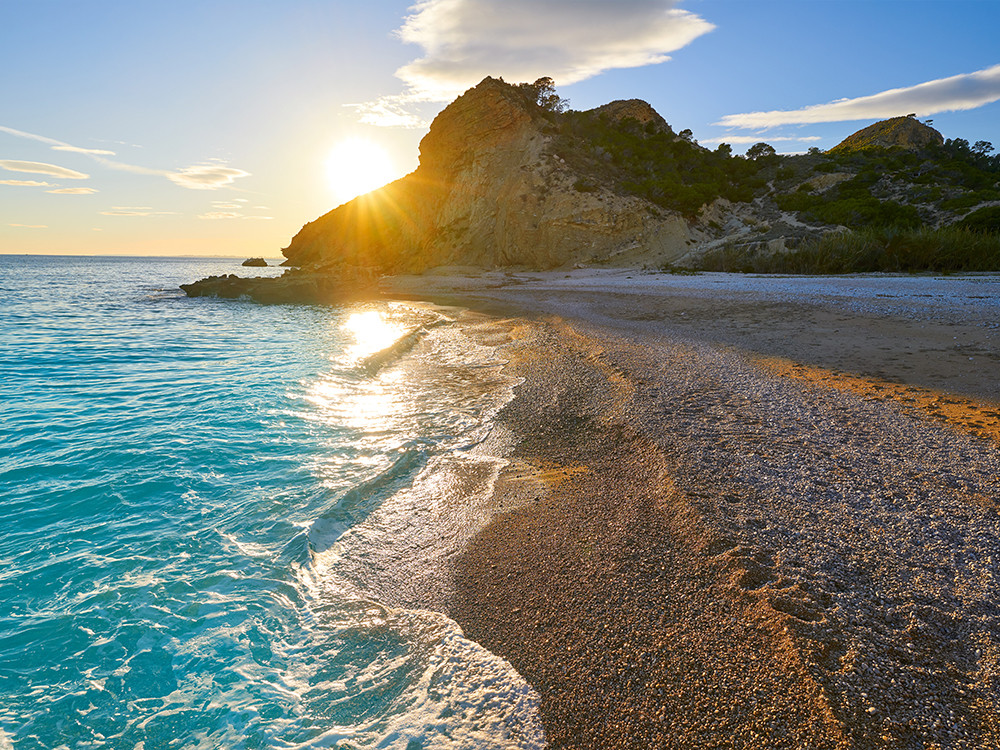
[356, 166]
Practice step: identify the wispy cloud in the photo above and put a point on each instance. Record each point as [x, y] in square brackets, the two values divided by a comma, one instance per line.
[135, 211]
[215, 215]
[78, 150]
[231, 210]
[737, 140]
[197, 177]
[463, 41]
[960, 92]
[389, 112]
[56, 145]
[29, 226]
[37, 167]
[31, 136]
[206, 176]
[73, 191]
[26, 183]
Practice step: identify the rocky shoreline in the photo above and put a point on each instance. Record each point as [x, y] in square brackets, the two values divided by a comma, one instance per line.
[322, 286]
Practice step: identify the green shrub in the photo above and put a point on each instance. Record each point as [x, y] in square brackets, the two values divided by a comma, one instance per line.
[869, 250]
[655, 164]
[986, 219]
[961, 202]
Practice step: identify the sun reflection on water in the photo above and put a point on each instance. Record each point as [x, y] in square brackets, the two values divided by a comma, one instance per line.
[374, 404]
[372, 333]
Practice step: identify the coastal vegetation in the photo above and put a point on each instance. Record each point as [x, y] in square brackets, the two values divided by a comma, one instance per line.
[871, 249]
[651, 161]
[926, 204]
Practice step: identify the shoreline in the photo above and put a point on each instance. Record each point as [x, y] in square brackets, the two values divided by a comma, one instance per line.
[706, 549]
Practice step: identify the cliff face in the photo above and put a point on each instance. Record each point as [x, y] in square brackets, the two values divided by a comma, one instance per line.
[896, 132]
[490, 191]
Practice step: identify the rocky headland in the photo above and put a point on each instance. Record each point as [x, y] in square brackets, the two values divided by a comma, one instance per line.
[508, 178]
[492, 190]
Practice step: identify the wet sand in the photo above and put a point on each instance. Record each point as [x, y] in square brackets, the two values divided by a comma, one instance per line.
[743, 514]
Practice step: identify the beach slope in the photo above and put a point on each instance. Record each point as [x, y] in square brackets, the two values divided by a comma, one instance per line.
[743, 513]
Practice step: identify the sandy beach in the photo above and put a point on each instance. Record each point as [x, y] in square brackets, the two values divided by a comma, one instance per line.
[742, 512]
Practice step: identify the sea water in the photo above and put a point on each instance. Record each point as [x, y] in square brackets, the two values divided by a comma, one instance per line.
[228, 525]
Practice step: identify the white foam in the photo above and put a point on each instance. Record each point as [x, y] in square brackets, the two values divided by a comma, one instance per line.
[379, 579]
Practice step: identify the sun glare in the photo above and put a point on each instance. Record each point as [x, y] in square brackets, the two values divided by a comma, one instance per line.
[372, 333]
[356, 166]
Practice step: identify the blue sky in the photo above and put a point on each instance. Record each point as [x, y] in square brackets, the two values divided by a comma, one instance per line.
[207, 127]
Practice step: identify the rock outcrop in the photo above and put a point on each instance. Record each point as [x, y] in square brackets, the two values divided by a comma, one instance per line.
[635, 109]
[897, 132]
[490, 191]
[254, 262]
[318, 286]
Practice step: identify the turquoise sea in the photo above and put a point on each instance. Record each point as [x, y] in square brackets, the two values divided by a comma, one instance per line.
[229, 525]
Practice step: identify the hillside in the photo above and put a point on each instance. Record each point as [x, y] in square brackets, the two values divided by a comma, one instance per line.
[491, 191]
[507, 178]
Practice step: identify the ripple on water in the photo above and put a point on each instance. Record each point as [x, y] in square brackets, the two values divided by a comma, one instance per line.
[180, 482]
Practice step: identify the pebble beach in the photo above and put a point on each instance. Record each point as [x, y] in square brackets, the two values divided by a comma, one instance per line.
[741, 511]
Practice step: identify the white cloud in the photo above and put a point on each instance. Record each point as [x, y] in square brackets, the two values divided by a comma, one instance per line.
[37, 167]
[26, 183]
[135, 211]
[206, 176]
[199, 177]
[31, 136]
[225, 205]
[960, 92]
[220, 215]
[736, 140]
[78, 150]
[30, 226]
[125, 212]
[463, 41]
[388, 112]
[73, 191]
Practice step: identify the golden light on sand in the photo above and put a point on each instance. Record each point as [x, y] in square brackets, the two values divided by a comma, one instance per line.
[356, 166]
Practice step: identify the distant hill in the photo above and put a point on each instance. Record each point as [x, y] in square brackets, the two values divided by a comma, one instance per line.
[896, 132]
[635, 109]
